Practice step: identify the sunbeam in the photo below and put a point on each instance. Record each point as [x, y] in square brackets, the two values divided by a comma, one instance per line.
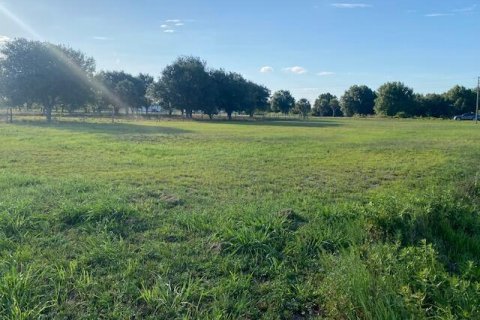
[78, 72]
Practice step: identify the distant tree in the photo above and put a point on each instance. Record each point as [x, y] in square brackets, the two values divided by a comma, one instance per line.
[186, 84]
[394, 98]
[358, 100]
[130, 91]
[127, 92]
[303, 107]
[256, 98]
[282, 101]
[433, 105]
[462, 99]
[326, 105]
[143, 83]
[33, 72]
[157, 93]
[231, 91]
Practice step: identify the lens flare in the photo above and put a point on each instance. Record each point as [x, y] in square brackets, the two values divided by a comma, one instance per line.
[77, 71]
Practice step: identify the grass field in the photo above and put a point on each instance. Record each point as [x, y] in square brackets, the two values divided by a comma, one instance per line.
[336, 219]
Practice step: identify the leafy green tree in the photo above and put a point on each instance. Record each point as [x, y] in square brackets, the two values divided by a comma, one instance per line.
[128, 96]
[394, 98]
[256, 98]
[433, 105]
[157, 93]
[231, 91]
[143, 83]
[327, 105]
[282, 101]
[462, 99]
[358, 100]
[186, 84]
[127, 92]
[33, 72]
[303, 107]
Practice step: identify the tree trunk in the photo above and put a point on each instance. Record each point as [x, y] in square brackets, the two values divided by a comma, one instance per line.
[48, 114]
[229, 115]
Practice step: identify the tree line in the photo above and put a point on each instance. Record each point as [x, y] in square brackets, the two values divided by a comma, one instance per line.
[52, 77]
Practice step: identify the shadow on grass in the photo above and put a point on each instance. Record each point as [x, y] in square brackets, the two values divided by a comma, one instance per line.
[104, 128]
[279, 123]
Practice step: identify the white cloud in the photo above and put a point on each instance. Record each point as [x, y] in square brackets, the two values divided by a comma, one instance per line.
[173, 21]
[266, 69]
[351, 5]
[3, 39]
[438, 14]
[325, 73]
[179, 24]
[296, 70]
[169, 31]
[100, 38]
[164, 26]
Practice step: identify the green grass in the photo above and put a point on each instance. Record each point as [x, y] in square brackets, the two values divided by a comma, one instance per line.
[337, 219]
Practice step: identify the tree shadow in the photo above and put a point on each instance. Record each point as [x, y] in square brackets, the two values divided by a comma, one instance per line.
[280, 123]
[103, 128]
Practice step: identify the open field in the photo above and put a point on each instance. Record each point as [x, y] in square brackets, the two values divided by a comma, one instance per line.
[337, 219]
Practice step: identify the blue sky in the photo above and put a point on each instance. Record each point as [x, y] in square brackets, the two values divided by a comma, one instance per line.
[308, 47]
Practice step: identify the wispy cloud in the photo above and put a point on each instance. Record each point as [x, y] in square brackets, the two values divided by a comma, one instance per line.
[172, 25]
[325, 73]
[266, 69]
[3, 39]
[438, 14]
[351, 5]
[296, 70]
[466, 9]
[101, 38]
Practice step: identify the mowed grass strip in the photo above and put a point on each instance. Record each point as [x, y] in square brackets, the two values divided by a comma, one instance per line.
[325, 218]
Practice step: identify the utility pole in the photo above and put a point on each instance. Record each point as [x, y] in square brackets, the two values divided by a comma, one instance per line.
[478, 98]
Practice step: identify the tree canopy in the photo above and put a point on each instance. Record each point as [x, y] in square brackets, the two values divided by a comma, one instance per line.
[45, 74]
[394, 98]
[303, 107]
[358, 100]
[327, 105]
[282, 101]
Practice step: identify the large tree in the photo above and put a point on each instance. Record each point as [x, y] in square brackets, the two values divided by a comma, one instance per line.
[327, 105]
[461, 99]
[45, 74]
[186, 84]
[433, 105]
[393, 98]
[358, 100]
[231, 91]
[123, 90]
[256, 98]
[303, 107]
[282, 101]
